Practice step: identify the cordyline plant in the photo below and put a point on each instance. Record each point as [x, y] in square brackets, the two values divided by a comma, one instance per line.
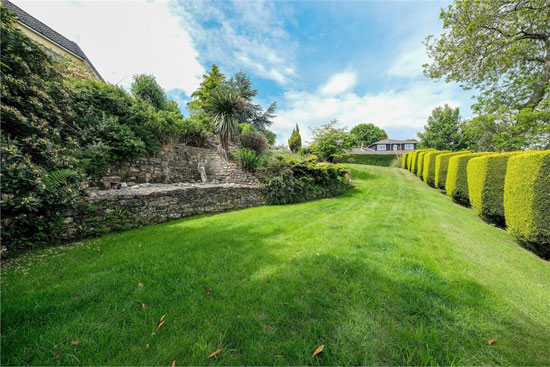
[224, 107]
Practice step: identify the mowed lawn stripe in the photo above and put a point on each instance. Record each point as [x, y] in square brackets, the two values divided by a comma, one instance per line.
[392, 272]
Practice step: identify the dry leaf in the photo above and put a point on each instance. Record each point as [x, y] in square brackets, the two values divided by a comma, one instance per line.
[146, 346]
[318, 351]
[57, 356]
[318, 254]
[491, 341]
[174, 363]
[213, 354]
[140, 285]
[160, 325]
[208, 290]
[143, 305]
[75, 342]
[162, 317]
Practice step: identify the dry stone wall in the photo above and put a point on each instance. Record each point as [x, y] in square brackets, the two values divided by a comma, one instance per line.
[179, 164]
[114, 210]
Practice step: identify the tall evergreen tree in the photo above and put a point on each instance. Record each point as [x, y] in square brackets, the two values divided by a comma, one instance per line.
[211, 83]
[295, 141]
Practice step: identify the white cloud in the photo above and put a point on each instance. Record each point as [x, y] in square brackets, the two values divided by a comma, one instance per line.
[409, 62]
[339, 83]
[406, 109]
[241, 34]
[123, 38]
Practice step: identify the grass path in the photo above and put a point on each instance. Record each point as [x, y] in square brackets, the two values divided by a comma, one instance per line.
[392, 272]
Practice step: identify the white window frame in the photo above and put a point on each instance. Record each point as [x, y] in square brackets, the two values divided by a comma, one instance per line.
[394, 147]
[381, 147]
[409, 146]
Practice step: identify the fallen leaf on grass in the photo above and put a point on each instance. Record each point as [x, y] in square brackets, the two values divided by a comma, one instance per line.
[208, 290]
[75, 342]
[161, 322]
[318, 351]
[318, 254]
[57, 356]
[143, 305]
[491, 341]
[174, 363]
[213, 354]
[140, 285]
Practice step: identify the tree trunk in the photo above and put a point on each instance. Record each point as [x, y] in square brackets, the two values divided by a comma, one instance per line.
[542, 83]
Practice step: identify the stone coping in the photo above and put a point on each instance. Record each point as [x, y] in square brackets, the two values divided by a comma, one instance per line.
[148, 189]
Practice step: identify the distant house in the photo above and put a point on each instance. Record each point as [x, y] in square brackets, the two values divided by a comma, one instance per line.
[55, 44]
[386, 146]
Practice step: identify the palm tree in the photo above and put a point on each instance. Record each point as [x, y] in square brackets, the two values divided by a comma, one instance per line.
[224, 107]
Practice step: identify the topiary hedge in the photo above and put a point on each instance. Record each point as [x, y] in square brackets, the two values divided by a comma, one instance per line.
[404, 160]
[527, 199]
[383, 160]
[409, 160]
[428, 169]
[441, 167]
[457, 177]
[414, 159]
[486, 185]
[420, 162]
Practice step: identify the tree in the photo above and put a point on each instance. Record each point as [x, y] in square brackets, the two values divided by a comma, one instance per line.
[224, 107]
[329, 141]
[146, 88]
[443, 130]
[251, 113]
[295, 141]
[270, 136]
[500, 47]
[367, 134]
[210, 84]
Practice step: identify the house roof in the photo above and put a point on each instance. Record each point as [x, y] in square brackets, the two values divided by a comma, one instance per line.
[47, 32]
[394, 141]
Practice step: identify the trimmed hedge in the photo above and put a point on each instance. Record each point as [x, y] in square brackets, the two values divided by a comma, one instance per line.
[428, 170]
[383, 160]
[414, 160]
[420, 162]
[527, 199]
[486, 185]
[457, 177]
[404, 160]
[441, 167]
[409, 160]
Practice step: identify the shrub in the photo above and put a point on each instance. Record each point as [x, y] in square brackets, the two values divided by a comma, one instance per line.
[291, 180]
[428, 169]
[420, 163]
[383, 160]
[441, 167]
[404, 160]
[486, 185]
[145, 87]
[527, 199]
[254, 141]
[457, 177]
[295, 140]
[247, 159]
[409, 160]
[414, 159]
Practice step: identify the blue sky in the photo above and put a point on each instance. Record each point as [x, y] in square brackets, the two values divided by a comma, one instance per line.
[355, 61]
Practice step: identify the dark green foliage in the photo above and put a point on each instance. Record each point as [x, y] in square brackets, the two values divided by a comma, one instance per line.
[295, 140]
[254, 141]
[366, 134]
[146, 88]
[527, 199]
[286, 180]
[271, 136]
[383, 160]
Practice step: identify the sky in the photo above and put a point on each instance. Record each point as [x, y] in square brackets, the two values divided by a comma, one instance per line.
[354, 61]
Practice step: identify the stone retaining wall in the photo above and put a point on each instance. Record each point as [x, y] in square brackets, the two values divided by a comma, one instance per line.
[180, 163]
[115, 210]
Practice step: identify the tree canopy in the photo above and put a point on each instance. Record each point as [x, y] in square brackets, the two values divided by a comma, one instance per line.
[500, 47]
[146, 88]
[443, 130]
[328, 140]
[367, 134]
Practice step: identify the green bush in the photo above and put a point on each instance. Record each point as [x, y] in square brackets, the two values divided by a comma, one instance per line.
[254, 141]
[486, 185]
[247, 159]
[414, 160]
[404, 160]
[291, 180]
[441, 168]
[428, 169]
[409, 160]
[383, 160]
[420, 163]
[457, 177]
[527, 199]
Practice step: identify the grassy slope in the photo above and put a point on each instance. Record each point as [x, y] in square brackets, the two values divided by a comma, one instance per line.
[390, 273]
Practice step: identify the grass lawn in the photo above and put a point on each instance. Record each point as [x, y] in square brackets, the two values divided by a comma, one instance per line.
[392, 272]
